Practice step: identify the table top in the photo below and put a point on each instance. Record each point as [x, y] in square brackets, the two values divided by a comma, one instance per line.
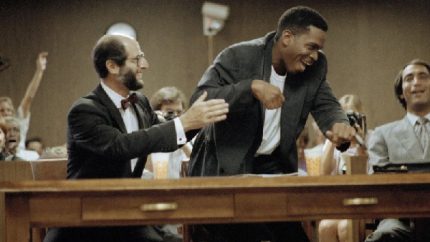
[218, 183]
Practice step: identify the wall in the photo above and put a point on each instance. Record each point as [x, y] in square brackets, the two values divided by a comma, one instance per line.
[368, 42]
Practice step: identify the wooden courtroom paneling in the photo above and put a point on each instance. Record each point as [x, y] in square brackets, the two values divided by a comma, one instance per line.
[364, 48]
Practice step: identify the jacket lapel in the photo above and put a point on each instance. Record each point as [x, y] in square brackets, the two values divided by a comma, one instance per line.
[143, 119]
[140, 116]
[113, 110]
[292, 108]
[115, 117]
[266, 69]
[408, 139]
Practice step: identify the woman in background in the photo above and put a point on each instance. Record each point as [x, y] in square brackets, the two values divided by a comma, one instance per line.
[332, 163]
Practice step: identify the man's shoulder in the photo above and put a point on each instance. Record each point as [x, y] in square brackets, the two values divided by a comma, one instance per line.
[260, 42]
[390, 126]
[88, 102]
[246, 52]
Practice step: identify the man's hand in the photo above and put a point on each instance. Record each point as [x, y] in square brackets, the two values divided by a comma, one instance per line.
[41, 61]
[271, 96]
[340, 133]
[202, 113]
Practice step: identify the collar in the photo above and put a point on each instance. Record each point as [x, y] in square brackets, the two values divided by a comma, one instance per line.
[412, 118]
[114, 96]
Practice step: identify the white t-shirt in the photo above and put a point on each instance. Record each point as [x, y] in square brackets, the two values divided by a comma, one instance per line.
[272, 119]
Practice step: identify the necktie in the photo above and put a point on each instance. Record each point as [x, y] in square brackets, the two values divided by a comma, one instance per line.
[126, 102]
[423, 133]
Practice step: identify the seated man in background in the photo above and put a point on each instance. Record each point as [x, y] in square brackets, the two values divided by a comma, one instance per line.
[112, 130]
[7, 108]
[405, 140]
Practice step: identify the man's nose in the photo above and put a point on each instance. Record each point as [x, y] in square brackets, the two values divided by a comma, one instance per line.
[314, 55]
[144, 64]
[417, 80]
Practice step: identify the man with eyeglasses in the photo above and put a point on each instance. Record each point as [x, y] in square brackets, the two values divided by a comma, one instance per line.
[113, 129]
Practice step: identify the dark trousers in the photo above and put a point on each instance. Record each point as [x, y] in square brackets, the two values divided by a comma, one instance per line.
[250, 232]
[110, 234]
[392, 230]
[253, 232]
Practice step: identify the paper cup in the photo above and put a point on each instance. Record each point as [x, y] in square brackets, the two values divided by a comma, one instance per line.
[313, 161]
[160, 165]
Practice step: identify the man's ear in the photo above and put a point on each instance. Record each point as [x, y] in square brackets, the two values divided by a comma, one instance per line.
[286, 37]
[112, 67]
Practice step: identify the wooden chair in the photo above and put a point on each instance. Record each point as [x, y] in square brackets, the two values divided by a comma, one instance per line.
[49, 169]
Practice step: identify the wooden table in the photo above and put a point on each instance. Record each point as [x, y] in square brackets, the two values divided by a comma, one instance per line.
[210, 200]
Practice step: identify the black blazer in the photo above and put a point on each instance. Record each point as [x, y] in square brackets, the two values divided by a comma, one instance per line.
[98, 143]
[228, 147]
[99, 147]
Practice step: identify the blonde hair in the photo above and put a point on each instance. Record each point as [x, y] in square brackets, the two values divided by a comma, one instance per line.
[6, 99]
[167, 95]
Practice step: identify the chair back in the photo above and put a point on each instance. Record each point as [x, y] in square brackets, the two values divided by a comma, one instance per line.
[15, 171]
[49, 169]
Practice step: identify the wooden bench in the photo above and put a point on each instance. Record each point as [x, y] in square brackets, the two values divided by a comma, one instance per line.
[44, 169]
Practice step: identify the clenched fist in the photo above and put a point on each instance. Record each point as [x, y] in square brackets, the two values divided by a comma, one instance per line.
[268, 94]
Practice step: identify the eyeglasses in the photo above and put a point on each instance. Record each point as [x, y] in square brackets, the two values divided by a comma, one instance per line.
[139, 59]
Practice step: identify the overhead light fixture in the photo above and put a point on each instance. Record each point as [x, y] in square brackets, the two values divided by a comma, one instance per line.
[123, 29]
[214, 16]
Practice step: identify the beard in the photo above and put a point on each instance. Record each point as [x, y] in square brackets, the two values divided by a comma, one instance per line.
[130, 81]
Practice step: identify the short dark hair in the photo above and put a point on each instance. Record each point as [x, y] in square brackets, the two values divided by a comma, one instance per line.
[109, 47]
[298, 19]
[398, 82]
[33, 139]
[167, 95]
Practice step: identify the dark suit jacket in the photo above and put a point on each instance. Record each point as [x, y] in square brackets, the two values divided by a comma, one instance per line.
[98, 143]
[228, 147]
[99, 147]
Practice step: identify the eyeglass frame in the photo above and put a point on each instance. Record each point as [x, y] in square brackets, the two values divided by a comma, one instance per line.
[139, 59]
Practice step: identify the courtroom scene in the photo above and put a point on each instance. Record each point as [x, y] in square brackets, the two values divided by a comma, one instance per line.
[214, 121]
